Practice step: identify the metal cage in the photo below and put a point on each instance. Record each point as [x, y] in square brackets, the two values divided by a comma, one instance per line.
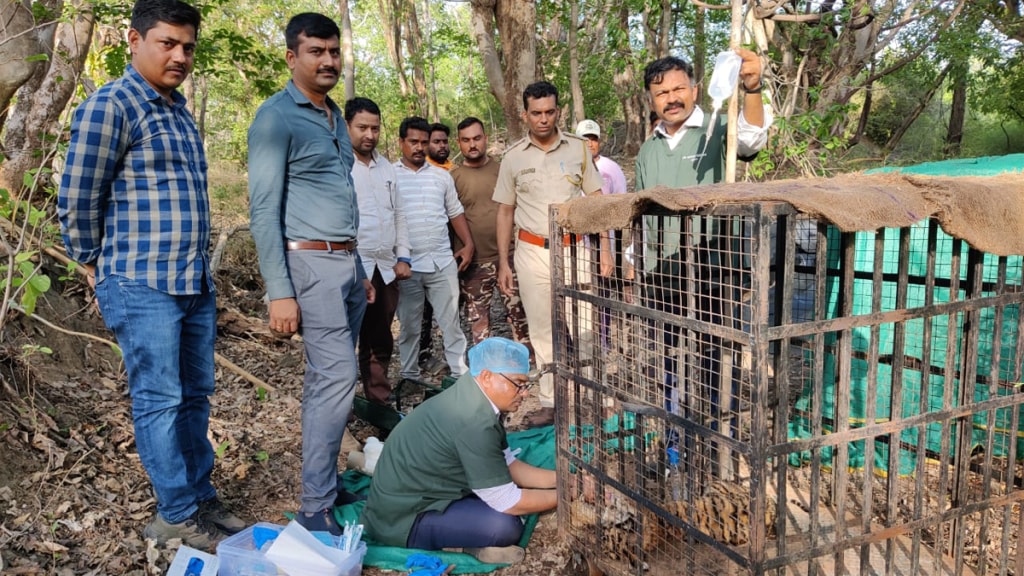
[768, 395]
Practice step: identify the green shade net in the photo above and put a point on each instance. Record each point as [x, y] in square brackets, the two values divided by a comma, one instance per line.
[923, 388]
[537, 447]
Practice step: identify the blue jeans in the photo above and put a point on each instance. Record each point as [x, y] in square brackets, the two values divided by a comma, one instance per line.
[167, 345]
[466, 523]
[332, 302]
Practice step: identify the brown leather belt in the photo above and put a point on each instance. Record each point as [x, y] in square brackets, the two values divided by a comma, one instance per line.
[321, 245]
[531, 238]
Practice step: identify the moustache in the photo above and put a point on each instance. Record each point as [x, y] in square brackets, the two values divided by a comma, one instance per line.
[330, 70]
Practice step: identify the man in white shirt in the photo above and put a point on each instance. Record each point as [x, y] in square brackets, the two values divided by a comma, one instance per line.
[609, 281]
[428, 198]
[383, 244]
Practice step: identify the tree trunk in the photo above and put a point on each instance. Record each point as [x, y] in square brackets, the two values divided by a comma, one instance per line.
[865, 114]
[629, 89]
[33, 127]
[664, 28]
[650, 32]
[898, 134]
[700, 50]
[417, 58]
[434, 111]
[957, 113]
[578, 110]
[20, 39]
[391, 14]
[347, 53]
[511, 70]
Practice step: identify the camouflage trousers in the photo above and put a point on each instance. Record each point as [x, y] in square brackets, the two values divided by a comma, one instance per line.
[478, 285]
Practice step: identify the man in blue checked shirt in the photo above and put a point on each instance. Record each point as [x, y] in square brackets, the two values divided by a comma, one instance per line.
[304, 216]
[135, 213]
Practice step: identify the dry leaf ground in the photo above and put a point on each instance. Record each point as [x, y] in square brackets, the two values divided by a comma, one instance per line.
[73, 495]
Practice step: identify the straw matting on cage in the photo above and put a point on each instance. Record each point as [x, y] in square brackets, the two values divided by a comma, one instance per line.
[987, 212]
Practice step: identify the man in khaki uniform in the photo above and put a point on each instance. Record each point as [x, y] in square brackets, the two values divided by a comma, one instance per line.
[546, 167]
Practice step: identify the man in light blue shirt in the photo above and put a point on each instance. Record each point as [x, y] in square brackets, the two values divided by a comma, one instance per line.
[304, 218]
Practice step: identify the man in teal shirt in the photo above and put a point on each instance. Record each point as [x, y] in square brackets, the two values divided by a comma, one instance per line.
[446, 477]
[304, 217]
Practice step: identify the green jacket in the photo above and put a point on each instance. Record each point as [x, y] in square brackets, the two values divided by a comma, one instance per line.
[447, 447]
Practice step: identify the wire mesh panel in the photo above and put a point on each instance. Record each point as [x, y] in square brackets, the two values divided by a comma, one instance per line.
[745, 390]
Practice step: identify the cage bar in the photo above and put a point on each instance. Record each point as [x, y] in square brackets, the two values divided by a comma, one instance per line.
[770, 395]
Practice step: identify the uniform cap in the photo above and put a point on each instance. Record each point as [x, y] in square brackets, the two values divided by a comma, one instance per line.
[583, 129]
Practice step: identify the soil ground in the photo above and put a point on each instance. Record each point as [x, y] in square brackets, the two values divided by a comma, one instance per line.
[73, 495]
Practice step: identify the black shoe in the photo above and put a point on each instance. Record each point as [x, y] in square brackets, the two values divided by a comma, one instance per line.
[345, 498]
[322, 521]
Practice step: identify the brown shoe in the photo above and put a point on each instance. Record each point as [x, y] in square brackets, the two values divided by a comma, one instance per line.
[497, 554]
[543, 417]
[193, 531]
[214, 512]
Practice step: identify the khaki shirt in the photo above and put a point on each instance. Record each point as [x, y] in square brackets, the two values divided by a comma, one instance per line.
[531, 179]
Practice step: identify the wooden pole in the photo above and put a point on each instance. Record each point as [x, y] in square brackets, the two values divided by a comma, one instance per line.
[734, 104]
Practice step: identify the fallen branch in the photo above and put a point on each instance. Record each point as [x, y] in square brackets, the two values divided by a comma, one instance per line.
[222, 243]
[243, 373]
[221, 360]
[44, 321]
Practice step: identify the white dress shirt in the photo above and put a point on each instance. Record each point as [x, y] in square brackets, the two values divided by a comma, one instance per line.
[749, 138]
[383, 233]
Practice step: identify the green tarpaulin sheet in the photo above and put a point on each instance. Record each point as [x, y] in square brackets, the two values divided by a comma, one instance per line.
[917, 383]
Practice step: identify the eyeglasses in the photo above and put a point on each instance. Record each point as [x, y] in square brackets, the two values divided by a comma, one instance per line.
[519, 387]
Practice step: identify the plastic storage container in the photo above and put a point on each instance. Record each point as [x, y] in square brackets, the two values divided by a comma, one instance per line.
[239, 555]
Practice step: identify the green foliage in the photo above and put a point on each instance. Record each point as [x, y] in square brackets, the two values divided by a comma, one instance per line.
[802, 144]
[895, 97]
[998, 86]
[261, 456]
[41, 12]
[20, 276]
[26, 276]
[228, 54]
[32, 349]
[240, 62]
[222, 448]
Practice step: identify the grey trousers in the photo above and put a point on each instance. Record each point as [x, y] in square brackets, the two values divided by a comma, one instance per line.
[332, 301]
[441, 288]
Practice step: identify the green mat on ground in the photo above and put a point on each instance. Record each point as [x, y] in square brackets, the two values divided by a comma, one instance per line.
[537, 447]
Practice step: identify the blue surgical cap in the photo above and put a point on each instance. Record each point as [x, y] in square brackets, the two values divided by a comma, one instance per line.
[499, 355]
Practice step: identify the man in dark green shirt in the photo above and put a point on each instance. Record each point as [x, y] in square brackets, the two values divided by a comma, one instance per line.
[446, 477]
